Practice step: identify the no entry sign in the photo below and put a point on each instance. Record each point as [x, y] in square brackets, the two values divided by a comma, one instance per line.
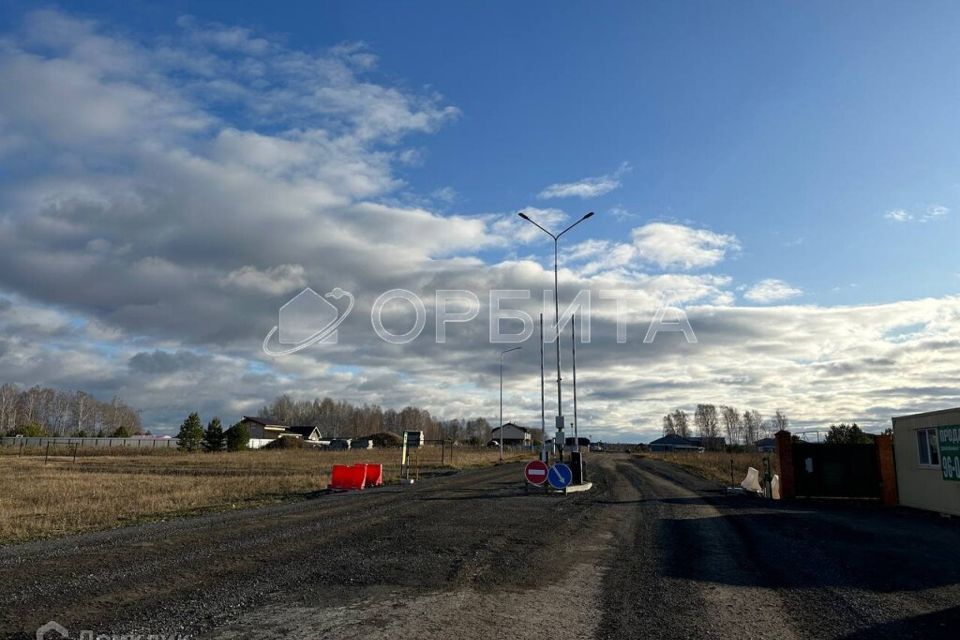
[535, 472]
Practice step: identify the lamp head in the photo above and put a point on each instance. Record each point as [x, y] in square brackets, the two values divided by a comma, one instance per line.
[523, 215]
[587, 216]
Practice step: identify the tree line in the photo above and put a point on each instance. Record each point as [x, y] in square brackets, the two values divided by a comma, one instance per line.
[335, 419]
[341, 419]
[43, 411]
[710, 421]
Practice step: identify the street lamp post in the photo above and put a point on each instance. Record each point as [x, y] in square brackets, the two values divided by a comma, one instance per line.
[556, 303]
[501, 398]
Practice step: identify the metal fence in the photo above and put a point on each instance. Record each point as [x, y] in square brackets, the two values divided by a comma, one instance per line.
[135, 443]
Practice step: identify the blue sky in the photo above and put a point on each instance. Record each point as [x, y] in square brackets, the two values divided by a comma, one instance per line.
[794, 127]
[809, 146]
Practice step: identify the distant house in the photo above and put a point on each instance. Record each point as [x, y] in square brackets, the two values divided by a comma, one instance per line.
[513, 435]
[264, 430]
[766, 445]
[673, 442]
[308, 433]
[339, 444]
[710, 444]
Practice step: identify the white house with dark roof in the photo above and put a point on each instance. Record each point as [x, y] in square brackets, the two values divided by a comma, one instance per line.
[264, 430]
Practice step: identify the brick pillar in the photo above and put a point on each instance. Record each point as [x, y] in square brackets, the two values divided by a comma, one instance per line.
[788, 488]
[888, 471]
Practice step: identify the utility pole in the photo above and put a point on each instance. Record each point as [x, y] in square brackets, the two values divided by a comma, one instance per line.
[543, 409]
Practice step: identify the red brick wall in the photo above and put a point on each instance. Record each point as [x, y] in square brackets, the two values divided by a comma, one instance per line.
[788, 488]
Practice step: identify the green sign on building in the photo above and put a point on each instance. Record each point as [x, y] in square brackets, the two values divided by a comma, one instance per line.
[949, 439]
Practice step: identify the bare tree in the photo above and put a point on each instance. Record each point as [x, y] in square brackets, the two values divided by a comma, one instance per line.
[780, 421]
[81, 412]
[708, 423]
[681, 423]
[61, 412]
[733, 424]
[669, 427]
[8, 407]
[752, 426]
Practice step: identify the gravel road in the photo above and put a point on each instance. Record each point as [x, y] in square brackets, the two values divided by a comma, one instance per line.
[651, 552]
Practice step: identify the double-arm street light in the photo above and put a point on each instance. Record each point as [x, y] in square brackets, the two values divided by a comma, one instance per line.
[556, 301]
[501, 398]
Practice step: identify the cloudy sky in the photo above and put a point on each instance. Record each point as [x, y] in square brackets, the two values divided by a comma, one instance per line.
[787, 174]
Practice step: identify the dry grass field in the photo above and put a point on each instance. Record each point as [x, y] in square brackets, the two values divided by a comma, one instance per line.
[101, 489]
[715, 465]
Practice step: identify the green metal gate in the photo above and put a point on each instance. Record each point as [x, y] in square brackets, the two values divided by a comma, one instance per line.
[836, 470]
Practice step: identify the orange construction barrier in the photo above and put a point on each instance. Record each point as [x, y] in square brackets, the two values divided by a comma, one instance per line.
[341, 477]
[374, 475]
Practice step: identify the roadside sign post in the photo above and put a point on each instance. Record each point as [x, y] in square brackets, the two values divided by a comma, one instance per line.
[560, 476]
[535, 472]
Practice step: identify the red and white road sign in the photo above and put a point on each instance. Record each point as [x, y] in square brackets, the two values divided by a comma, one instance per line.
[535, 472]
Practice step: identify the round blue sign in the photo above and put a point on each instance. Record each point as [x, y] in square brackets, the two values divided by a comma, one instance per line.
[559, 476]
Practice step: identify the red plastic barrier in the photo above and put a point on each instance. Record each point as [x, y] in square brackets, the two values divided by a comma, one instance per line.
[374, 475]
[354, 477]
[341, 477]
[359, 476]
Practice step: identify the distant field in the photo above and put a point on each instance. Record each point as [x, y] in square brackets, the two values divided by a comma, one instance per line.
[103, 490]
[716, 466]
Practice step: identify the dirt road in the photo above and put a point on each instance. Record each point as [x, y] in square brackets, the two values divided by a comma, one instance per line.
[651, 552]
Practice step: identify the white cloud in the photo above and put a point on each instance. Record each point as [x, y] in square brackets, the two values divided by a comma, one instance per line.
[511, 228]
[587, 187]
[200, 175]
[274, 281]
[622, 214]
[445, 195]
[678, 246]
[933, 212]
[771, 290]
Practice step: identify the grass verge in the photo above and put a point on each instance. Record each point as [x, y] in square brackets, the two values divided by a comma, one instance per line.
[44, 498]
[716, 466]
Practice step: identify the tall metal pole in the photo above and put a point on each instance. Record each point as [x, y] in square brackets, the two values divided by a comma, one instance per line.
[556, 324]
[573, 336]
[556, 300]
[501, 407]
[543, 409]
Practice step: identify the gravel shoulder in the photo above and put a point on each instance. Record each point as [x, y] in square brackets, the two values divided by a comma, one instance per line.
[702, 564]
[651, 552]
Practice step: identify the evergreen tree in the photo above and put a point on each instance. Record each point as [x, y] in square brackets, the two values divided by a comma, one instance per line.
[213, 438]
[191, 433]
[847, 434]
[238, 437]
[120, 432]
